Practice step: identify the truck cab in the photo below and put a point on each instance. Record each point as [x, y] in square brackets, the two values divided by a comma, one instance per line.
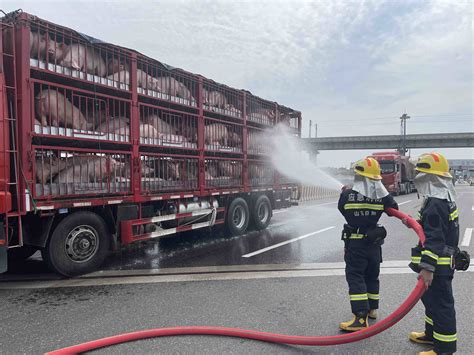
[397, 172]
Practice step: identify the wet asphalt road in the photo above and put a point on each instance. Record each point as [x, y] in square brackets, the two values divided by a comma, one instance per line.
[40, 319]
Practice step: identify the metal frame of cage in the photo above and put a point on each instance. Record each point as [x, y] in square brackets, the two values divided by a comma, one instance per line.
[27, 76]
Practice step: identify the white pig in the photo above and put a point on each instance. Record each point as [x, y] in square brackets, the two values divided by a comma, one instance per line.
[171, 86]
[115, 65]
[219, 134]
[48, 167]
[90, 169]
[114, 125]
[216, 134]
[160, 125]
[148, 131]
[216, 99]
[121, 126]
[74, 56]
[143, 80]
[53, 108]
[38, 45]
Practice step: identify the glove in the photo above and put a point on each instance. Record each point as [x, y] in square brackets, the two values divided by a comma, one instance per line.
[462, 259]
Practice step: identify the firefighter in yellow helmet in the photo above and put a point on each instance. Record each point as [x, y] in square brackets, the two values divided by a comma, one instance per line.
[436, 260]
[362, 207]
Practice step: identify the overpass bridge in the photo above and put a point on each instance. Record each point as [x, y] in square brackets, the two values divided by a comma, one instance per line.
[438, 140]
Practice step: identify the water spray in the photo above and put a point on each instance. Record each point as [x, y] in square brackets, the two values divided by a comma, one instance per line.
[289, 159]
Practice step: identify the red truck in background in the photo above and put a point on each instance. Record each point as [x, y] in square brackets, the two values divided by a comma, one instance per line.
[397, 172]
[102, 146]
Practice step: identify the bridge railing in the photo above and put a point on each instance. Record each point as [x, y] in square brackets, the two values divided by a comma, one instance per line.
[310, 193]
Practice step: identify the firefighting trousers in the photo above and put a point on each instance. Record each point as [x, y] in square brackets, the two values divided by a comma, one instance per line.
[440, 316]
[362, 275]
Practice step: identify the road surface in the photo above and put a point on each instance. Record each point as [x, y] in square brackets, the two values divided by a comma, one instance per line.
[288, 279]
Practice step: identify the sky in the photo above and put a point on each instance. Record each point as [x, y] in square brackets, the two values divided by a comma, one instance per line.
[352, 67]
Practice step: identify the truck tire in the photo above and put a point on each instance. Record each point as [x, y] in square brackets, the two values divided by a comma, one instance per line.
[78, 245]
[238, 215]
[261, 212]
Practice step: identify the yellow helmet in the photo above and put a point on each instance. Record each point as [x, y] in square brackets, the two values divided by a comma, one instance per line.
[368, 167]
[433, 163]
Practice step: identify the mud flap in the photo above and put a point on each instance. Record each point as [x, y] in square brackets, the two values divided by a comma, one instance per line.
[3, 250]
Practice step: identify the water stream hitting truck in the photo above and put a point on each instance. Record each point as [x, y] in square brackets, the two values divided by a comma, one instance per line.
[102, 146]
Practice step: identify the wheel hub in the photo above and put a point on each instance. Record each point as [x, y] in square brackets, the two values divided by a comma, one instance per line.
[238, 217]
[263, 212]
[82, 243]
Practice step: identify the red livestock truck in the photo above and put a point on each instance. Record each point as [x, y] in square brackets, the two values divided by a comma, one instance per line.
[397, 172]
[102, 146]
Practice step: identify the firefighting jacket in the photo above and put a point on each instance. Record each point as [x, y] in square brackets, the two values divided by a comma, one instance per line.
[440, 221]
[362, 213]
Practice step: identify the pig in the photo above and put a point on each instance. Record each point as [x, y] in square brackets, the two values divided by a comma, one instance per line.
[219, 134]
[95, 117]
[225, 168]
[165, 130]
[122, 76]
[119, 125]
[171, 86]
[148, 131]
[168, 170]
[53, 108]
[256, 171]
[38, 45]
[42, 46]
[160, 125]
[48, 167]
[114, 65]
[216, 99]
[234, 111]
[262, 113]
[212, 170]
[74, 56]
[143, 80]
[216, 134]
[234, 139]
[122, 127]
[145, 170]
[90, 169]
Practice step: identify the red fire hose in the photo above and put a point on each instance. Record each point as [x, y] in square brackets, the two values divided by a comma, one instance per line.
[386, 323]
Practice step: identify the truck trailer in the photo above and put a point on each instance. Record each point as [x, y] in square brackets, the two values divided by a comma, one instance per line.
[397, 172]
[102, 146]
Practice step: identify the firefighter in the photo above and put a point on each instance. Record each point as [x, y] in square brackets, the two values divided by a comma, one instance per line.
[362, 207]
[436, 261]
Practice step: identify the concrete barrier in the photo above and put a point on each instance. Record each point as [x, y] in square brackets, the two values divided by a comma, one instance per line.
[309, 193]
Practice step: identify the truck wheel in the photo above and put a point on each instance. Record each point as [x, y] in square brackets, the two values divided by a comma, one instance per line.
[262, 212]
[78, 245]
[237, 217]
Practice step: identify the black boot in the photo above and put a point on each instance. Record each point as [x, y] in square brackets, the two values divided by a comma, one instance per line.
[358, 322]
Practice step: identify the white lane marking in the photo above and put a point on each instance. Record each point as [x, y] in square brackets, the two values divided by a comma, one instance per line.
[402, 203]
[473, 208]
[337, 270]
[467, 237]
[285, 242]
